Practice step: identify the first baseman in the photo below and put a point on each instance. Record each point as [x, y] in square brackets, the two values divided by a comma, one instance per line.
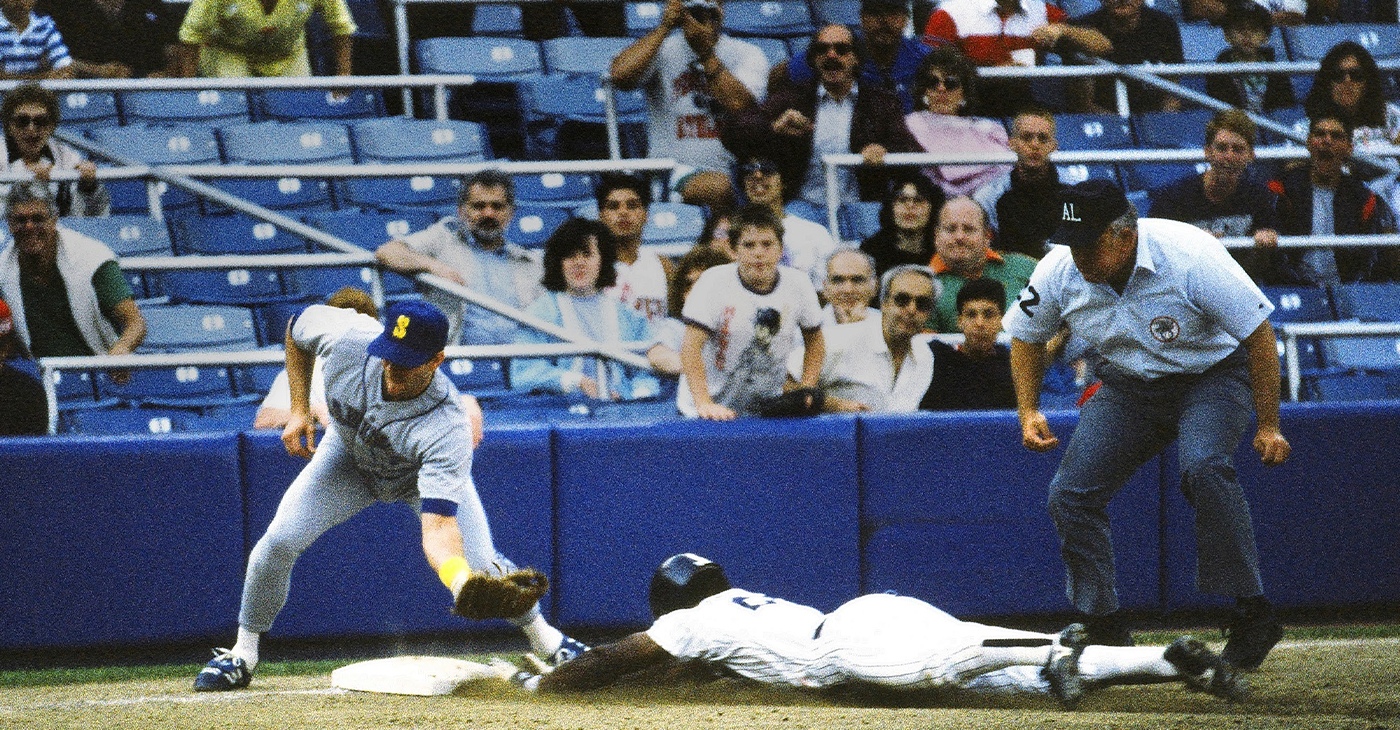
[1186, 353]
[396, 434]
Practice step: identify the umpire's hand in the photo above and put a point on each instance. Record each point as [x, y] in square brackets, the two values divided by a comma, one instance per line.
[1035, 432]
[299, 428]
[1273, 448]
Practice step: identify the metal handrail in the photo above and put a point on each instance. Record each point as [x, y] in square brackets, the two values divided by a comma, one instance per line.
[1293, 330]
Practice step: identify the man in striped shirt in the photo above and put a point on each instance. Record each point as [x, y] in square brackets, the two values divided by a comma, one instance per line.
[30, 45]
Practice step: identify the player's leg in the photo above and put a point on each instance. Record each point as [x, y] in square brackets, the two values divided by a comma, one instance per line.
[481, 555]
[1186, 660]
[328, 491]
[1120, 428]
[1216, 415]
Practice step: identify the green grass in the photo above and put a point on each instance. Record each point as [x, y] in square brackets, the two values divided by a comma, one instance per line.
[1293, 633]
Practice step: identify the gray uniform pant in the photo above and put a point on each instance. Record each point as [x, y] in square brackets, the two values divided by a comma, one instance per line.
[329, 491]
[1126, 423]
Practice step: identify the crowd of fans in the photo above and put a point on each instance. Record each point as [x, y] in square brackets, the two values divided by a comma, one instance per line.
[769, 312]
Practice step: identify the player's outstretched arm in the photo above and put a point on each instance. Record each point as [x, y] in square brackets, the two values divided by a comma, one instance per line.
[604, 665]
[1273, 448]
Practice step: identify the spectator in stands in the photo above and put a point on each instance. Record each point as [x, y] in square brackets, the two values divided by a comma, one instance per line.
[1226, 199]
[880, 364]
[907, 221]
[116, 39]
[24, 408]
[1247, 27]
[471, 250]
[578, 268]
[276, 407]
[642, 276]
[889, 59]
[1008, 33]
[806, 244]
[849, 287]
[715, 234]
[242, 38]
[30, 115]
[1025, 199]
[796, 125]
[1348, 84]
[1321, 198]
[693, 76]
[31, 46]
[65, 290]
[670, 331]
[975, 375]
[742, 321]
[963, 245]
[945, 90]
[1137, 34]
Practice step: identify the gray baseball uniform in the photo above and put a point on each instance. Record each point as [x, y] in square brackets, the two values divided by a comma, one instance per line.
[414, 451]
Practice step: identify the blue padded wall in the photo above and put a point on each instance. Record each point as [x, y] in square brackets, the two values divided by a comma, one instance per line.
[117, 540]
[1326, 521]
[368, 575]
[955, 514]
[774, 502]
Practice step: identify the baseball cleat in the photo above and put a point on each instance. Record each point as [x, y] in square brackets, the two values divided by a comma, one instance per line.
[568, 649]
[1204, 670]
[1251, 635]
[1062, 671]
[224, 672]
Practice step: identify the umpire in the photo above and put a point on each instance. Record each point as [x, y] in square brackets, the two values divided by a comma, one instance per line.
[1184, 345]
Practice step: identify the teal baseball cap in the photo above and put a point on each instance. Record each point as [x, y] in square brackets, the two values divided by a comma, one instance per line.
[414, 332]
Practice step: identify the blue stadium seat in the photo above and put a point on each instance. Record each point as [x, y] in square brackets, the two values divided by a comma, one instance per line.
[797, 46]
[419, 191]
[673, 223]
[1093, 132]
[1362, 353]
[210, 107]
[486, 59]
[126, 235]
[858, 220]
[771, 18]
[1369, 302]
[271, 322]
[1076, 8]
[534, 224]
[88, 109]
[482, 378]
[287, 105]
[117, 421]
[1075, 174]
[1149, 176]
[370, 229]
[1293, 118]
[224, 417]
[1312, 42]
[774, 49]
[74, 388]
[1202, 43]
[178, 387]
[1333, 387]
[1170, 7]
[561, 190]
[1299, 304]
[1184, 129]
[290, 143]
[844, 12]
[306, 195]
[182, 328]
[319, 282]
[218, 286]
[130, 197]
[591, 56]
[398, 140]
[259, 378]
[233, 234]
[642, 17]
[498, 19]
[806, 210]
[164, 144]
[564, 118]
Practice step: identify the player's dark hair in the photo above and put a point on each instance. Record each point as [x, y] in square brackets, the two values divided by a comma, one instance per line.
[488, 178]
[683, 581]
[982, 290]
[570, 238]
[610, 181]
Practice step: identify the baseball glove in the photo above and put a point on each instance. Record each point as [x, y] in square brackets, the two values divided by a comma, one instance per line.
[483, 596]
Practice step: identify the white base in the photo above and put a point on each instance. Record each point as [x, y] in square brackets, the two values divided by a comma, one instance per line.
[409, 675]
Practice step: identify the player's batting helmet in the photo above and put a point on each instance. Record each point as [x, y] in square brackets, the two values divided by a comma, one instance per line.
[684, 580]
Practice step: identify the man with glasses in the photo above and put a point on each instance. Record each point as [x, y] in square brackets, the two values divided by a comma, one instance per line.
[888, 57]
[850, 285]
[806, 244]
[693, 75]
[962, 245]
[876, 364]
[67, 295]
[797, 125]
[1322, 198]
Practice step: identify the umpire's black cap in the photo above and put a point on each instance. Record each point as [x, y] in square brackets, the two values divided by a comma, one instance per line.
[1086, 210]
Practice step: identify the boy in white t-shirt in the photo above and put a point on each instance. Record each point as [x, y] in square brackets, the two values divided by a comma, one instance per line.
[742, 320]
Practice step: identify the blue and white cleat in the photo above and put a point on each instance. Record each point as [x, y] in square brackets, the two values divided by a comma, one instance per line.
[568, 649]
[224, 672]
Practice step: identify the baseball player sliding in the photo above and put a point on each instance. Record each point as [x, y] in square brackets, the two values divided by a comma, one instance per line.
[395, 435]
[881, 641]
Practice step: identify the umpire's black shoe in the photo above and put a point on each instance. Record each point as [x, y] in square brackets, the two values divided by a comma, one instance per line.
[1109, 629]
[1252, 631]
